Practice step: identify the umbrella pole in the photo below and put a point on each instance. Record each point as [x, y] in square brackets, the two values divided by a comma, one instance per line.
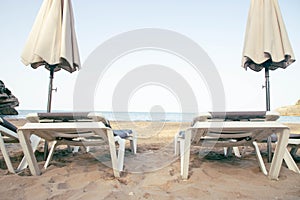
[267, 84]
[51, 68]
[267, 88]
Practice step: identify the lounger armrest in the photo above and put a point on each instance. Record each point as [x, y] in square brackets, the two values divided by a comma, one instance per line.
[201, 117]
[272, 116]
[97, 117]
[32, 117]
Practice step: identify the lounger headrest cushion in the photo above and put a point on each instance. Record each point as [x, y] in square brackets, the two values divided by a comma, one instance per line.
[66, 117]
[63, 116]
[238, 116]
[294, 136]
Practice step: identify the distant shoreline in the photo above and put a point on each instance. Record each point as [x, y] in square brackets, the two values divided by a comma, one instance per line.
[149, 117]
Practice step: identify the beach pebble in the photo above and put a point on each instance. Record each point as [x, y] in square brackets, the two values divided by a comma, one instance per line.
[146, 195]
[131, 194]
[62, 186]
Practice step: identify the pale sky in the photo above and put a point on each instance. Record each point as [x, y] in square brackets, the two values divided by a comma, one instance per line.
[217, 26]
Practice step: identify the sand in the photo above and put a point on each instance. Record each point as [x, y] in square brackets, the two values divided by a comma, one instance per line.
[154, 173]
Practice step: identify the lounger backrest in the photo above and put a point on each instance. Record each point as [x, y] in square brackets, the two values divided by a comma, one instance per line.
[8, 125]
[238, 116]
[8, 129]
[66, 117]
[75, 116]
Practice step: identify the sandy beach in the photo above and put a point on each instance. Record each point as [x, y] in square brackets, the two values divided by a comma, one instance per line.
[154, 173]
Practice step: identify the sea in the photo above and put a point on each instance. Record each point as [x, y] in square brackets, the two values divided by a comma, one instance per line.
[142, 116]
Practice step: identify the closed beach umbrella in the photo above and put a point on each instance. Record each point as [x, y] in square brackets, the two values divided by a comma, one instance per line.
[52, 41]
[267, 45]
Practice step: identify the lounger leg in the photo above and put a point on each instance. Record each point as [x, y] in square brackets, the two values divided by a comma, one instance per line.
[269, 149]
[290, 162]
[132, 146]
[50, 155]
[260, 160]
[35, 140]
[181, 153]
[28, 152]
[228, 151]
[46, 150]
[113, 153]
[69, 148]
[186, 154]
[133, 143]
[225, 149]
[75, 149]
[176, 148]
[121, 152]
[236, 152]
[280, 150]
[6, 156]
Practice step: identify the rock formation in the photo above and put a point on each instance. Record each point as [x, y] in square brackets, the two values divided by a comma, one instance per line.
[7, 101]
[293, 110]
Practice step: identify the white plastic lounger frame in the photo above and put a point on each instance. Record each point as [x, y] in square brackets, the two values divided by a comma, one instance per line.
[295, 144]
[229, 141]
[76, 133]
[132, 138]
[86, 143]
[11, 135]
[120, 154]
[201, 131]
[79, 117]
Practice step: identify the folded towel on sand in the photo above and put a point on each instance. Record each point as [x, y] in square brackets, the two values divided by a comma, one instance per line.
[122, 133]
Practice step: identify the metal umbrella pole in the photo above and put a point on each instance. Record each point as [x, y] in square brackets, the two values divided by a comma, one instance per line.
[267, 85]
[51, 68]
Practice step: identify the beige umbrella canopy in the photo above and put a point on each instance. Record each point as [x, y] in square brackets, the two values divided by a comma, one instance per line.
[266, 44]
[266, 41]
[52, 41]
